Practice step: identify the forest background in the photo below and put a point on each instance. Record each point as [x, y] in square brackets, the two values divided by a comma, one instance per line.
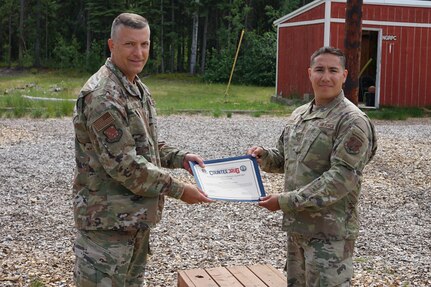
[192, 36]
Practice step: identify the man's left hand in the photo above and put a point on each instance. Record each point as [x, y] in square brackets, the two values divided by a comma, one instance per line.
[270, 202]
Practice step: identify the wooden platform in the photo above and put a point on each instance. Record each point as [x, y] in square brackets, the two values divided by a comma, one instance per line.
[235, 276]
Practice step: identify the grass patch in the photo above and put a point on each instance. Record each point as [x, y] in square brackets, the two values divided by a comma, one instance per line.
[36, 283]
[17, 89]
[393, 113]
[173, 94]
[360, 260]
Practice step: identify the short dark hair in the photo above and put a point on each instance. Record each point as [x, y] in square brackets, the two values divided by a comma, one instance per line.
[329, 50]
[130, 20]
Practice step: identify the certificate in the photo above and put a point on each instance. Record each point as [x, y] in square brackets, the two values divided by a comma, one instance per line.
[235, 178]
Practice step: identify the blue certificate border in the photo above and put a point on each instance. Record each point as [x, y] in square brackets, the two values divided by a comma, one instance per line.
[256, 171]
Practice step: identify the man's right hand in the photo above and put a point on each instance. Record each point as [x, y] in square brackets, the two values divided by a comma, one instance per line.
[257, 152]
[192, 195]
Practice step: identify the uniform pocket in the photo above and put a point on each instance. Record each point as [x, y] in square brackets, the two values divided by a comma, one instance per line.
[316, 150]
[106, 251]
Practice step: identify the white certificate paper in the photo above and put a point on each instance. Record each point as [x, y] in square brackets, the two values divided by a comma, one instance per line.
[236, 178]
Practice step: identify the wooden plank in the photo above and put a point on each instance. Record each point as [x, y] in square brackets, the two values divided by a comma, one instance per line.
[183, 279]
[223, 277]
[270, 276]
[277, 272]
[246, 277]
[195, 278]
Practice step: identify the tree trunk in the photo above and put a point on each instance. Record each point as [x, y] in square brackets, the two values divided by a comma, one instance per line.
[21, 32]
[180, 54]
[172, 42]
[194, 47]
[88, 37]
[204, 44]
[162, 62]
[36, 60]
[9, 47]
[46, 37]
[352, 48]
[1, 40]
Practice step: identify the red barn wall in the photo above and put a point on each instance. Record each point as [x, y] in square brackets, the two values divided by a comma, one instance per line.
[405, 64]
[294, 58]
[405, 75]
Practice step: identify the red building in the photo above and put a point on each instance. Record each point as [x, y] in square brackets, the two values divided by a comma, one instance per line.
[395, 51]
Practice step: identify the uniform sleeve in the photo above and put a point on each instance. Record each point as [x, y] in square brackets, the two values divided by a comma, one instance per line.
[171, 157]
[116, 150]
[273, 159]
[353, 148]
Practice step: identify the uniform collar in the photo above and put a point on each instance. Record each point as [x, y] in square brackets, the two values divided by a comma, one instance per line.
[322, 112]
[131, 88]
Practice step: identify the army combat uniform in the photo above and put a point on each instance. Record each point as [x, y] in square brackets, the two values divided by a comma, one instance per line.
[119, 187]
[322, 153]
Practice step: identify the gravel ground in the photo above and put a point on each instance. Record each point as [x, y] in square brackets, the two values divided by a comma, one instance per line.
[36, 224]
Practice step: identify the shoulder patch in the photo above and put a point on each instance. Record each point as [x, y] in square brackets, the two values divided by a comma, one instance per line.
[112, 134]
[103, 121]
[353, 144]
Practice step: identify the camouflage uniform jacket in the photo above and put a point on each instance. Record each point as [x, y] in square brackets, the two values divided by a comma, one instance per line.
[322, 154]
[118, 182]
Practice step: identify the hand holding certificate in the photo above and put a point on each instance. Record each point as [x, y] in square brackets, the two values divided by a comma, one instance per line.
[236, 178]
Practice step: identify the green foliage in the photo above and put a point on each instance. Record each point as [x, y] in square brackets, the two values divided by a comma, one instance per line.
[59, 31]
[219, 66]
[96, 56]
[256, 64]
[27, 60]
[67, 54]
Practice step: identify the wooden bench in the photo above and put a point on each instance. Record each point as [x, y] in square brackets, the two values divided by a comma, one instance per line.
[235, 276]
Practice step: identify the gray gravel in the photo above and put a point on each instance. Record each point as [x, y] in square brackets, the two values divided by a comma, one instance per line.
[36, 224]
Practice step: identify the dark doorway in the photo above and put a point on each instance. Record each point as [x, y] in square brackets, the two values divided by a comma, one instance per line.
[367, 77]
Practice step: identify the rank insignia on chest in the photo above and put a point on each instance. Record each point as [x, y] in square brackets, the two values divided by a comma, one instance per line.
[112, 134]
[353, 145]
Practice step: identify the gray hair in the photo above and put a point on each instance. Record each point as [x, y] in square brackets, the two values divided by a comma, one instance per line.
[329, 50]
[130, 20]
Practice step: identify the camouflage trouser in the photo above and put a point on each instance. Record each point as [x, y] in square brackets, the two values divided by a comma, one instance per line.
[317, 262]
[110, 258]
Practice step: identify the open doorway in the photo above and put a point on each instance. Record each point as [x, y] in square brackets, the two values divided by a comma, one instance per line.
[370, 67]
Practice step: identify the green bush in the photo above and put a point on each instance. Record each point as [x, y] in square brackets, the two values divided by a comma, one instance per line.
[256, 63]
[68, 55]
[96, 57]
[219, 66]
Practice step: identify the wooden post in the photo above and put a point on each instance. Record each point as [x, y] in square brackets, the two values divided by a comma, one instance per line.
[352, 48]
[233, 65]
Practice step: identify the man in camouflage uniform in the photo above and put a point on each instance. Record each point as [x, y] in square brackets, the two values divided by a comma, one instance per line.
[322, 152]
[119, 186]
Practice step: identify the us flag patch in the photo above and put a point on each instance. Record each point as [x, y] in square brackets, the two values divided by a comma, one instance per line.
[105, 120]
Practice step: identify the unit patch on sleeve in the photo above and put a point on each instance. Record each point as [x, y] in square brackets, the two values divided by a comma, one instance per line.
[353, 144]
[112, 134]
[103, 121]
